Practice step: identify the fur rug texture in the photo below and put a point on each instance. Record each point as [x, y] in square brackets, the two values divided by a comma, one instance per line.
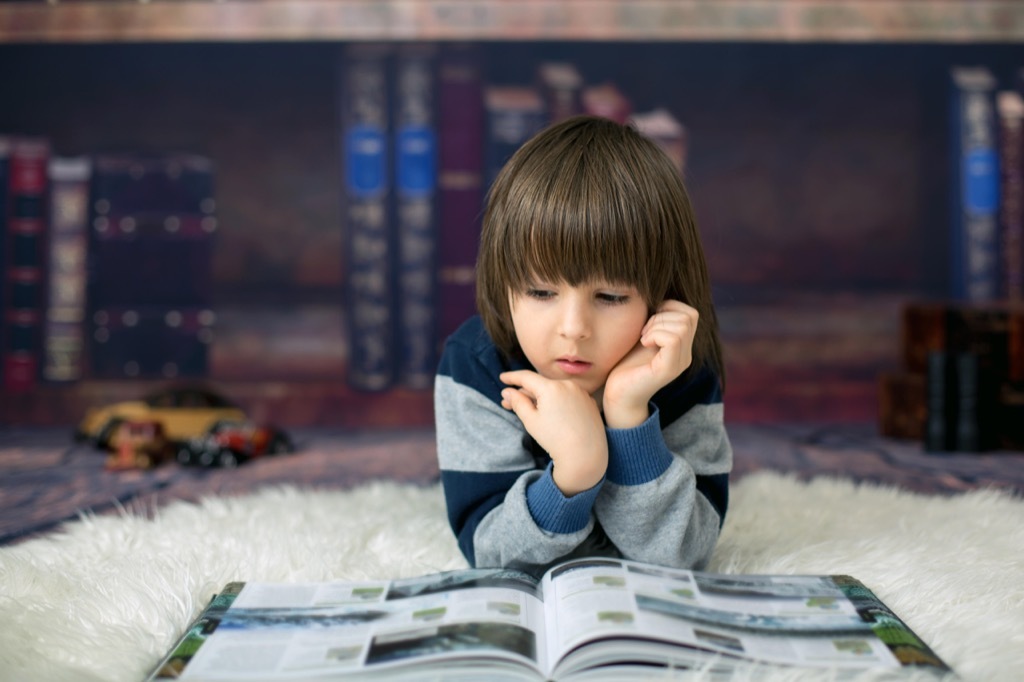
[104, 597]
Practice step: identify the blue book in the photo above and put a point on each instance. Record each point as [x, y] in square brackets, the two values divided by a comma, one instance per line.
[974, 245]
[415, 149]
[368, 278]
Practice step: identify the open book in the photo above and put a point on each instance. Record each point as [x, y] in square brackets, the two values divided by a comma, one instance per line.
[585, 619]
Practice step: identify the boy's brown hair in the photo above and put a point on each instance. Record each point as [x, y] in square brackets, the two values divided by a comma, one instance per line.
[589, 199]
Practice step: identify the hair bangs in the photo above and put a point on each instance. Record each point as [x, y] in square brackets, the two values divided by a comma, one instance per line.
[583, 225]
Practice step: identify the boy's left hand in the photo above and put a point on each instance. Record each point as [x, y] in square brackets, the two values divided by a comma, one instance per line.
[664, 351]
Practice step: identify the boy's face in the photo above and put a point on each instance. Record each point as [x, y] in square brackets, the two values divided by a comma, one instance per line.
[577, 333]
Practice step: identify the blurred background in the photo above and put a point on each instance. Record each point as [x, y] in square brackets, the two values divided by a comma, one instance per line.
[339, 154]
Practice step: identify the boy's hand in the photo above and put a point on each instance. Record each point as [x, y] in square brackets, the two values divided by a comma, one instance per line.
[664, 351]
[565, 421]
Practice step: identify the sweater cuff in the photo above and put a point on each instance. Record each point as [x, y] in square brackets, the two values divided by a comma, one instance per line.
[553, 511]
[638, 455]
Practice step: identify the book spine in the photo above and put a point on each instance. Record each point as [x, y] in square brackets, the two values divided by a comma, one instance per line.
[902, 405]
[1010, 106]
[608, 101]
[561, 85]
[5, 164]
[974, 268]
[369, 284]
[460, 184]
[63, 338]
[939, 424]
[923, 330]
[24, 302]
[152, 229]
[415, 150]
[514, 115]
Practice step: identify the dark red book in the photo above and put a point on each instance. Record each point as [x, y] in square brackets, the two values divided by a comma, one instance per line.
[460, 183]
[25, 253]
[1010, 107]
[902, 405]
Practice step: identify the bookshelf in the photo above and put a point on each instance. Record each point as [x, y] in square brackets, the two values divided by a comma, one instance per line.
[956, 21]
[116, 63]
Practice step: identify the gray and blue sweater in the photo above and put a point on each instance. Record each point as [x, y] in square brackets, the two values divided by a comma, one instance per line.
[662, 500]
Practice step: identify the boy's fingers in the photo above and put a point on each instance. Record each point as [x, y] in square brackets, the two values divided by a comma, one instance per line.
[531, 381]
[514, 400]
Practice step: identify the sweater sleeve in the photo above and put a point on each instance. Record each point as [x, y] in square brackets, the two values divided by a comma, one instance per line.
[666, 491]
[504, 510]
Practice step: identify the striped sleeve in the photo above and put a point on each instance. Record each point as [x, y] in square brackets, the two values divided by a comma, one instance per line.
[666, 492]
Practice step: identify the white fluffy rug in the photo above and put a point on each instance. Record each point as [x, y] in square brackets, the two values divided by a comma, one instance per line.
[104, 598]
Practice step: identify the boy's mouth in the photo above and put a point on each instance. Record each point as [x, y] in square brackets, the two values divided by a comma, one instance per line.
[571, 365]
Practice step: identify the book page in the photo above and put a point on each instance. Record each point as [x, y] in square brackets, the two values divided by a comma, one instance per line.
[806, 620]
[282, 631]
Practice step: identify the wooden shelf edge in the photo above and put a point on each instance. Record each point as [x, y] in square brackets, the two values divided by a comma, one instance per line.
[954, 21]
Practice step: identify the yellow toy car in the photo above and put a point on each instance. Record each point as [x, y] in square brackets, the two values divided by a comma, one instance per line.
[184, 413]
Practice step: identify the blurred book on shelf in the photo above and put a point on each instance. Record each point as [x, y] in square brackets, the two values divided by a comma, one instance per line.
[667, 131]
[460, 180]
[416, 233]
[64, 324]
[608, 101]
[561, 85]
[974, 189]
[369, 286]
[961, 383]
[152, 232]
[25, 258]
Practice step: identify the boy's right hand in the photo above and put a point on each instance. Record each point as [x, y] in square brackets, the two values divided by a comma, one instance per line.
[564, 420]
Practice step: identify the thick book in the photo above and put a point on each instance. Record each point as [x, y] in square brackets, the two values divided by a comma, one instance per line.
[584, 619]
[24, 268]
[974, 244]
[64, 325]
[1010, 107]
[902, 405]
[369, 289]
[460, 183]
[415, 148]
[152, 228]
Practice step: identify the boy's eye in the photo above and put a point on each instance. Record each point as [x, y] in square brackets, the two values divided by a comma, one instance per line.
[540, 294]
[612, 299]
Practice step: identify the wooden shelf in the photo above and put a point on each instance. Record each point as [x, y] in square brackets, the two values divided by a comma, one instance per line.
[95, 21]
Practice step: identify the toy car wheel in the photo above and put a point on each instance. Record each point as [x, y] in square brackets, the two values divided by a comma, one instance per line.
[184, 455]
[206, 458]
[227, 459]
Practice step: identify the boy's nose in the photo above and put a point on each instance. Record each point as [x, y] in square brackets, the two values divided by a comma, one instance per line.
[575, 321]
